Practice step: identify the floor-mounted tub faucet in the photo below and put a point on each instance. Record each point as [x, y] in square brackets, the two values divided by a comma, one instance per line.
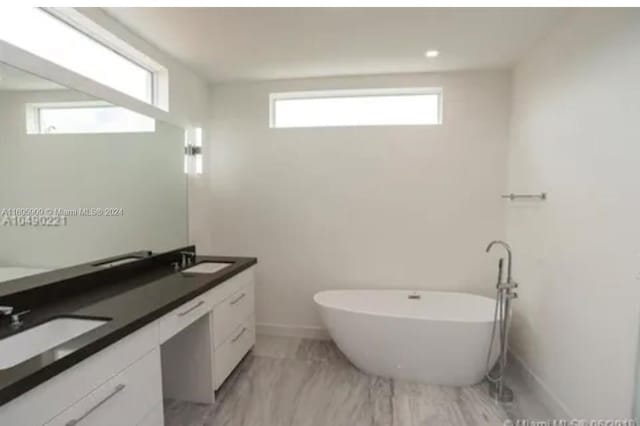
[501, 320]
[508, 250]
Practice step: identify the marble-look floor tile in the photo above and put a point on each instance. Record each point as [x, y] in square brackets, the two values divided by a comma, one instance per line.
[324, 351]
[338, 394]
[181, 413]
[263, 394]
[301, 382]
[417, 404]
[276, 347]
[479, 408]
[380, 394]
[526, 405]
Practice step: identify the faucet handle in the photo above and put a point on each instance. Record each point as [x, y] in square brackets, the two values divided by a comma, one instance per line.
[16, 321]
[6, 310]
[509, 285]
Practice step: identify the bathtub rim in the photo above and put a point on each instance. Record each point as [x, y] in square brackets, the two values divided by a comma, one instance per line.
[404, 317]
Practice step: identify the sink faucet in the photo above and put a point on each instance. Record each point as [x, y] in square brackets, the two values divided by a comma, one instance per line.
[16, 320]
[188, 257]
[508, 250]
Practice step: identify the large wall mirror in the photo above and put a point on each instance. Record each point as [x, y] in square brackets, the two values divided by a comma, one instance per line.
[82, 179]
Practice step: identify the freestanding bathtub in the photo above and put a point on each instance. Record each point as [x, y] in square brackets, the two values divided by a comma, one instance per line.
[421, 336]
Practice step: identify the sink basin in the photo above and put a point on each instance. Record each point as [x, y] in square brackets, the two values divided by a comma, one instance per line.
[36, 340]
[207, 267]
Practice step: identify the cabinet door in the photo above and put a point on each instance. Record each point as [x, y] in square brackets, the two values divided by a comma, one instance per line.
[123, 400]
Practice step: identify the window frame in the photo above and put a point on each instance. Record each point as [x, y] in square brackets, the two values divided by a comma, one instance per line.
[354, 93]
[158, 86]
[33, 118]
[156, 90]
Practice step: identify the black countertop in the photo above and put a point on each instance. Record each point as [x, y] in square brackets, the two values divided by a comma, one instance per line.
[127, 301]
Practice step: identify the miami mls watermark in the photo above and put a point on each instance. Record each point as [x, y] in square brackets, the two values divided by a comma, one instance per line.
[51, 216]
[571, 422]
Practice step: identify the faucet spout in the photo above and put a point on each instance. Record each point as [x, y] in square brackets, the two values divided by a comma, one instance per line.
[507, 249]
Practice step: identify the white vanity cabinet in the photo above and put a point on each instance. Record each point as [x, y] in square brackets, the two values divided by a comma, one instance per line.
[233, 325]
[123, 383]
[118, 385]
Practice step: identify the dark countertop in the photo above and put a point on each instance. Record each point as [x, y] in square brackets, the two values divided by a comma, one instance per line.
[130, 303]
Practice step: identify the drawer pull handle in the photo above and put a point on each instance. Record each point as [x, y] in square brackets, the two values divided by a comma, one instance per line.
[235, 339]
[197, 305]
[117, 390]
[237, 299]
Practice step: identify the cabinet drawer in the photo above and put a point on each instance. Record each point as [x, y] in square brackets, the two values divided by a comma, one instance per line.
[229, 354]
[181, 317]
[232, 285]
[123, 400]
[228, 315]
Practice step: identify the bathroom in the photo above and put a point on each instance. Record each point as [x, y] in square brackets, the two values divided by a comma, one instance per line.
[283, 216]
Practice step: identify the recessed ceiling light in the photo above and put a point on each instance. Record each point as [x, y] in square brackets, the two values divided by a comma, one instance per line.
[431, 53]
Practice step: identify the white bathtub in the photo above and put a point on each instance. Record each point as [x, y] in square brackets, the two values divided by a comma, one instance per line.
[438, 338]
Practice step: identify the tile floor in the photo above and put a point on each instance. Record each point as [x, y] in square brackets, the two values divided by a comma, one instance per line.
[301, 382]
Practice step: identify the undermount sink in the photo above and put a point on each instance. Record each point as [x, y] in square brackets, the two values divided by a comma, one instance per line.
[207, 267]
[36, 340]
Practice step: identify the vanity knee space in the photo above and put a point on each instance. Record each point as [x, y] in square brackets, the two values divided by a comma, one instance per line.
[209, 340]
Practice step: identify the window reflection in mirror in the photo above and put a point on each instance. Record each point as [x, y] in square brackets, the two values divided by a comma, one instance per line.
[82, 179]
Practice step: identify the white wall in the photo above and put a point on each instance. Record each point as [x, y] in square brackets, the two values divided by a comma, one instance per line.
[576, 133]
[322, 208]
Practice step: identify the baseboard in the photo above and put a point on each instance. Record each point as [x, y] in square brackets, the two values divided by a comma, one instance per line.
[305, 332]
[539, 388]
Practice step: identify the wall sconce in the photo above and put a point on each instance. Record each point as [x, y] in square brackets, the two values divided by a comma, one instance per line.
[193, 150]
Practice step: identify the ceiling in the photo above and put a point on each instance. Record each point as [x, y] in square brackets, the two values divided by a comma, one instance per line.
[275, 43]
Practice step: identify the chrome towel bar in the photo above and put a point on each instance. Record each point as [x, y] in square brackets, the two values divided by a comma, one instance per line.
[541, 196]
